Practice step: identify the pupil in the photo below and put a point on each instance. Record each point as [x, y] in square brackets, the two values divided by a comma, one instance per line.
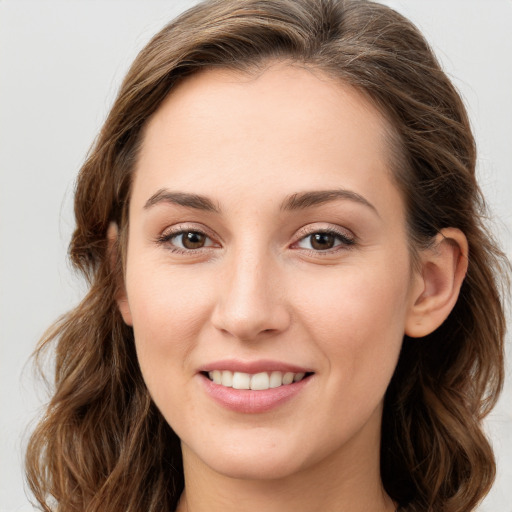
[322, 241]
[193, 240]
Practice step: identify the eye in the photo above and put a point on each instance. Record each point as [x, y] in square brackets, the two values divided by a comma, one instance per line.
[190, 240]
[324, 240]
[184, 240]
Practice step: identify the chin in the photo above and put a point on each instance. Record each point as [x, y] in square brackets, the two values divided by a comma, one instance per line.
[256, 468]
[250, 460]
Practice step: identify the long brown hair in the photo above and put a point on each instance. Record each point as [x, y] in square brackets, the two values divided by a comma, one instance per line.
[103, 445]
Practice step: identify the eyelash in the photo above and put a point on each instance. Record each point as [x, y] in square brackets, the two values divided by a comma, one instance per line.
[166, 237]
[346, 240]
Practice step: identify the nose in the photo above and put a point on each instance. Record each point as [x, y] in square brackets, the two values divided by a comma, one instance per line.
[251, 298]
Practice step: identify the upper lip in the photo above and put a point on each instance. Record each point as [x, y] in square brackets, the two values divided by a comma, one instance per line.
[252, 367]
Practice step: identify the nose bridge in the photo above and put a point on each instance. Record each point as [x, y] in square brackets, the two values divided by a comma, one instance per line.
[250, 299]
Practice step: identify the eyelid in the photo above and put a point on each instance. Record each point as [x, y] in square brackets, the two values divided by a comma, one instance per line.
[347, 237]
[310, 229]
[170, 232]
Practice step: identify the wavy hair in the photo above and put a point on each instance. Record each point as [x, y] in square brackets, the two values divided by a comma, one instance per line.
[103, 445]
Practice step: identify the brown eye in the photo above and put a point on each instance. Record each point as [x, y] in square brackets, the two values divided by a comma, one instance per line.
[186, 241]
[322, 241]
[192, 239]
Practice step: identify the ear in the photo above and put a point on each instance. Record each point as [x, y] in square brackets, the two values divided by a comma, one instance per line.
[121, 296]
[438, 282]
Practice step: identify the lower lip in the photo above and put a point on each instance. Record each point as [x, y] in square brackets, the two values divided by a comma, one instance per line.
[250, 402]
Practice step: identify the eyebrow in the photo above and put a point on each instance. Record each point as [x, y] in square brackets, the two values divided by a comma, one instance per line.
[298, 201]
[303, 200]
[194, 201]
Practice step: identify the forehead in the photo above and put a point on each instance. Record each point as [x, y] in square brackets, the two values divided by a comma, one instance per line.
[286, 127]
[281, 94]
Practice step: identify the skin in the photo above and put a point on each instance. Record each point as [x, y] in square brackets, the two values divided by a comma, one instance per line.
[258, 289]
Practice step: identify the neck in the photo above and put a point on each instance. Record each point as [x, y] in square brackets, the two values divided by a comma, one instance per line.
[348, 482]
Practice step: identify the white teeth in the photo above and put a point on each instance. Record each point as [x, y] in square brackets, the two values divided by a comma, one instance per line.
[257, 382]
[287, 378]
[276, 379]
[260, 381]
[240, 380]
[227, 379]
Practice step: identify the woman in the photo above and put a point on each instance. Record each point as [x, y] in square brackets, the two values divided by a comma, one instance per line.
[294, 303]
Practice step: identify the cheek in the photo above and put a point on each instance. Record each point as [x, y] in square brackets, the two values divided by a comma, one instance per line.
[168, 312]
[168, 315]
[357, 319]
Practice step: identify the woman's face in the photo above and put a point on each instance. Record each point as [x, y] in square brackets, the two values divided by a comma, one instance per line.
[266, 237]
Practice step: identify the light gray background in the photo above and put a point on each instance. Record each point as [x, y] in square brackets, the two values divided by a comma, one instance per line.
[61, 63]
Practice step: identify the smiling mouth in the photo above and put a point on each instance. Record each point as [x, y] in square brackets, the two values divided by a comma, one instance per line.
[257, 381]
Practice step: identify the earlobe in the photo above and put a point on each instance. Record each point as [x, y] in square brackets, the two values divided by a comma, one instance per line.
[121, 296]
[443, 269]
